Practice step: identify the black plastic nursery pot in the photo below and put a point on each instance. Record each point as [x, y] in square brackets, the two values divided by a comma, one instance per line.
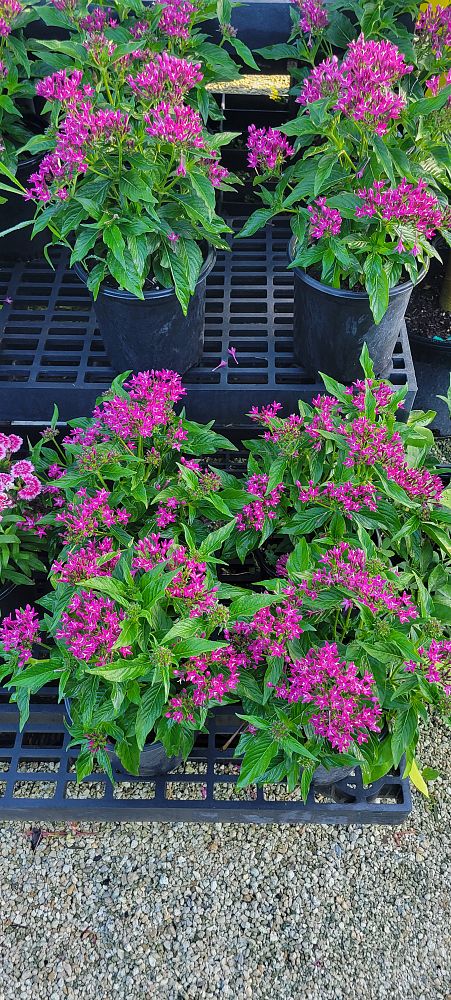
[331, 325]
[19, 245]
[152, 332]
[152, 762]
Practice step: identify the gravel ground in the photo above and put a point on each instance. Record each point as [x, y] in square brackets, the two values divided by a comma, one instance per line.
[143, 911]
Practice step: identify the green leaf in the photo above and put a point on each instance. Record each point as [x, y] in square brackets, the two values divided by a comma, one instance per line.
[273, 674]
[152, 703]
[249, 605]
[307, 521]
[114, 240]
[276, 474]
[84, 242]
[84, 764]
[244, 53]
[376, 284]
[383, 156]
[404, 732]
[129, 755]
[124, 669]
[256, 221]
[325, 165]
[215, 540]
[298, 560]
[257, 759]
[195, 647]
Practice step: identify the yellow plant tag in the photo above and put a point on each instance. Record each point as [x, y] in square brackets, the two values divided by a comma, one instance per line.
[416, 776]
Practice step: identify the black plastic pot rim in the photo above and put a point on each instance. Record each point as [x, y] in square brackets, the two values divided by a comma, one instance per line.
[344, 293]
[430, 345]
[151, 294]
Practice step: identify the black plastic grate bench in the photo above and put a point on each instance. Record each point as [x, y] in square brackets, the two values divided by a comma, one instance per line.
[51, 352]
[37, 781]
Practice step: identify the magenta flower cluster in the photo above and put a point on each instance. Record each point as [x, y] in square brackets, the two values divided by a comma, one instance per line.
[175, 20]
[97, 558]
[434, 663]
[9, 10]
[19, 632]
[89, 515]
[345, 707]
[178, 125]
[210, 677]
[313, 18]
[254, 514]
[348, 497]
[324, 221]
[267, 149]
[190, 582]
[407, 205]
[362, 86]
[148, 406]
[346, 567]
[433, 29]
[166, 77]
[91, 627]
[267, 634]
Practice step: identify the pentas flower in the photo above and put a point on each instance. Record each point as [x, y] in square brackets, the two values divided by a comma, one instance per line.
[148, 406]
[166, 513]
[286, 433]
[190, 582]
[32, 523]
[419, 484]
[166, 77]
[433, 29]
[87, 516]
[9, 10]
[175, 21]
[267, 148]
[382, 394]
[362, 86]
[407, 205]
[98, 19]
[94, 559]
[99, 47]
[369, 443]
[326, 408]
[3, 68]
[344, 566]
[313, 18]
[19, 632]
[348, 497]
[324, 221]
[91, 627]
[345, 706]
[434, 663]
[216, 173]
[179, 125]
[206, 680]
[63, 86]
[267, 634]
[253, 515]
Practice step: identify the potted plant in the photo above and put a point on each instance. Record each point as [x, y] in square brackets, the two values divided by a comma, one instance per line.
[364, 206]
[129, 185]
[19, 121]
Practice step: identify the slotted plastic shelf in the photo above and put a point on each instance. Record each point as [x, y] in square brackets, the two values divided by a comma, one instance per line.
[51, 351]
[37, 781]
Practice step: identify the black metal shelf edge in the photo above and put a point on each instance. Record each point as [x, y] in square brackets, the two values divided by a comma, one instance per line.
[51, 352]
[51, 792]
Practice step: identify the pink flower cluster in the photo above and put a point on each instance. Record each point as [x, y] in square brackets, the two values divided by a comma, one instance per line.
[91, 627]
[382, 394]
[166, 513]
[267, 634]
[287, 433]
[210, 677]
[313, 18]
[350, 497]
[362, 86]
[97, 558]
[175, 21]
[166, 77]
[433, 29]
[147, 407]
[82, 132]
[371, 443]
[344, 566]
[20, 481]
[9, 10]
[179, 125]
[435, 663]
[324, 221]
[407, 205]
[99, 19]
[87, 516]
[435, 84]
[267, 149]
[253, 515]
[326, 408]
[190, 582]
[217, 173]
[18, 633]
[344, 705]
[419, 484]
[63, 86]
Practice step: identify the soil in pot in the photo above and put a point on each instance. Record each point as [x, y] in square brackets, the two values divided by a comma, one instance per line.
[152, 332]
[426, 320]
[331, 326]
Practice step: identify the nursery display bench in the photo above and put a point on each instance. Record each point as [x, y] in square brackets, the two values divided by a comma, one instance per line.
[37, 781]
[51, 352]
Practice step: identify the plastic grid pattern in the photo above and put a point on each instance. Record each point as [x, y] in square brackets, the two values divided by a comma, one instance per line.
[37, 781]
[51, 351]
